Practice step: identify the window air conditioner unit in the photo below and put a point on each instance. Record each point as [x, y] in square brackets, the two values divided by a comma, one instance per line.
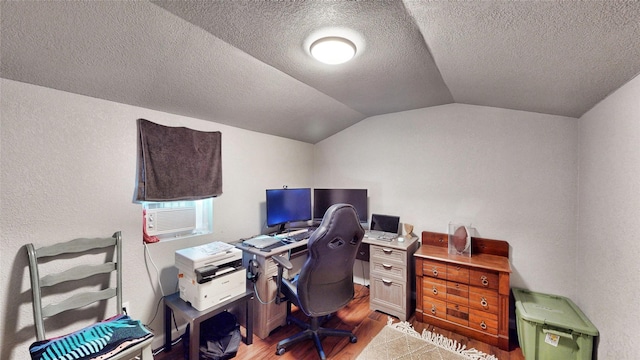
[168, 220]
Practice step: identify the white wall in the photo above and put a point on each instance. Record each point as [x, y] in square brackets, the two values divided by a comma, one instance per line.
[511, 174]
[68, 170]
[608, 242]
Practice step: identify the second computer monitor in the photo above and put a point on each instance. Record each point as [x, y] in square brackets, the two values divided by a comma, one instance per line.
[324, 198]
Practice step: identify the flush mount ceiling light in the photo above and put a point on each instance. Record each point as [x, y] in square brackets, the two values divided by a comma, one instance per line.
[333, 50]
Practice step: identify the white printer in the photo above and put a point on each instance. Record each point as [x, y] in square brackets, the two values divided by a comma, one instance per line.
[209, 274]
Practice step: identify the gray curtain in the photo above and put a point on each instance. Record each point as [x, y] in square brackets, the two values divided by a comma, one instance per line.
[177, 163]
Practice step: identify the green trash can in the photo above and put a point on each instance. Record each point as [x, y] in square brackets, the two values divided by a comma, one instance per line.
[552, 327]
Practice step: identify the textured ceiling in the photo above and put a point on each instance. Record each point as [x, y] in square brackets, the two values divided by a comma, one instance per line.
[246, 63]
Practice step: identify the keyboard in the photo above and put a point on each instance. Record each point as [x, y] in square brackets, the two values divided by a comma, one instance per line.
[296, 235]
[380, 235]
[300, 236]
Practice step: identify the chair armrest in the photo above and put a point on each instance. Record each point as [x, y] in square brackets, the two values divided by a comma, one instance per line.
[282, 262]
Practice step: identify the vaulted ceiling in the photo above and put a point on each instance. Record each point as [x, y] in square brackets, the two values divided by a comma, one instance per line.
[247, 64]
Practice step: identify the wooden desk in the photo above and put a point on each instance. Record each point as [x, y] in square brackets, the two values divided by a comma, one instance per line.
[268, 315]
[174, 304]
[391, 293]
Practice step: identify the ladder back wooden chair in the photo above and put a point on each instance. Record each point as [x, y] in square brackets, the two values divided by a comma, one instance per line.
[118, 337]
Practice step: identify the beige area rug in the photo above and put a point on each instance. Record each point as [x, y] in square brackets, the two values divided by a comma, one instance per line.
[400, 341]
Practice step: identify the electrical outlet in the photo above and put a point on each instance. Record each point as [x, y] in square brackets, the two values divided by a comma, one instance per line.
[126, 308]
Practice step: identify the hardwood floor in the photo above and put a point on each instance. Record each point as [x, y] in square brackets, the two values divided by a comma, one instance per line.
[356, 317]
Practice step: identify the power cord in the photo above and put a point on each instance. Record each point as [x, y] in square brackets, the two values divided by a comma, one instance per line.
[148, 255]
[173, 343]
[255, 290]
[156, 312]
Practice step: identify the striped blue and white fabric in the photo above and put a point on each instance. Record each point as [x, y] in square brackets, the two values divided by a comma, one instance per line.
[97, 341]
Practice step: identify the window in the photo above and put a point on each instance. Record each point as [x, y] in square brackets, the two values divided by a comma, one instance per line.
[175, 219]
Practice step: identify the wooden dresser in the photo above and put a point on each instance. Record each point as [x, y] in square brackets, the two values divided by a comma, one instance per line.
[466, 295]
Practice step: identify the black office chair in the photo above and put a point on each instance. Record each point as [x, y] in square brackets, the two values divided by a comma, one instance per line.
[325, 282]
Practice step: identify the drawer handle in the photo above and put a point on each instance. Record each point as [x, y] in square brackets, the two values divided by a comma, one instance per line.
[484, 302]
[433, 309]
[387, 251]
[435, 271]
[387, 282]
[387, 266]
[435, 291]
[483, 326]
[484, 280]
[457, 307]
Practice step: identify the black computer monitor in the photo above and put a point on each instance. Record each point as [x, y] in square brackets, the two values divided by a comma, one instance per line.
[386, 223]
[288, 205]
[324, 198]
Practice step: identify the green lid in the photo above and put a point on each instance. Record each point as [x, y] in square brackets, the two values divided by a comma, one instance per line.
[552, 310]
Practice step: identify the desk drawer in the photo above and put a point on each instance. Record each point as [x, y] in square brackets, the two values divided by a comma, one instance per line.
[388, 293]
[388, 254]
[388, 269]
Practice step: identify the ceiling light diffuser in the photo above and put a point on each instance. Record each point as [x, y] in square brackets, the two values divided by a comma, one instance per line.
[333, 50]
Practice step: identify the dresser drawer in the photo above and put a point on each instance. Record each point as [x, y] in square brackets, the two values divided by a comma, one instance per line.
[483, 321]
[457, 293]
[458, 273]
[434, 307]
[483, 278]
[388, 269]
[434, 269]
[434, 288]
[483, 299]
[458, 314]
[387, 254]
